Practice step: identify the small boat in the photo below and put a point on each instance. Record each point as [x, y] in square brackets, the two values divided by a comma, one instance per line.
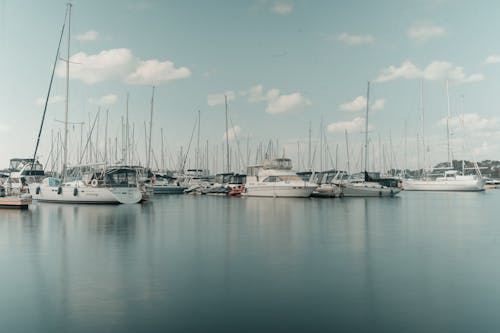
[167, 184]
[19, 201]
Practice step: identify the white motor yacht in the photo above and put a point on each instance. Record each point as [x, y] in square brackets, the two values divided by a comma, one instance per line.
[275, 178]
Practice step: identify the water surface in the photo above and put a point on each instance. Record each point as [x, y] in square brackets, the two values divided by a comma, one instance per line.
[417, 262]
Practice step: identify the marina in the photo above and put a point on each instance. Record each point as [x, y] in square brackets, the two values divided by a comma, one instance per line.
[249, 166]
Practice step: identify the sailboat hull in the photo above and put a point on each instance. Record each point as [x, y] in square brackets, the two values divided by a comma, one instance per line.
[465, 185]
[85, 195]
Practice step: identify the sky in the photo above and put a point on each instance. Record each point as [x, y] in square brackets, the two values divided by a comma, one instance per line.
[287, 67]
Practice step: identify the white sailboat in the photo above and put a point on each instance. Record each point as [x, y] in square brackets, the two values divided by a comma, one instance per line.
[93, 185]
[452, 180]
[275, 178]
[365, 187]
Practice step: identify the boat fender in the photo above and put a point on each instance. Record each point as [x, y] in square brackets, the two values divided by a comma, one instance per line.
[392, 193]
[59, 190]
[380, 193]
[75, 192]
[37, 190]
[341, 195]
[94, 182]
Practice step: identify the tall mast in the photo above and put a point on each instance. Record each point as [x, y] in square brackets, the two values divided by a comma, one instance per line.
[448, 125]
[347, 152]
[423, 122]
[197, 160]
[227, 139]
[106, 138]
[65, 163]
[309, 165]
[162, 151]
[151, 127]
[48, 92]
[127, 144]
[366, 124]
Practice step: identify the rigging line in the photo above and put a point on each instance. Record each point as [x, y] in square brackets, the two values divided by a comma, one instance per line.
[49, 90]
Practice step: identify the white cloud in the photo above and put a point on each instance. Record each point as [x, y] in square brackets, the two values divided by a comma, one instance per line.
[355, 125]
[424, 32]
[218, 99]
[355, 39]
[359, 103]
[378, 105]
[437, 70]
[493, 59]
[152, 72]
[120, 64]
[473, 122]
[40, 101]
[407, 70]
[255, 94]
[232, 133]
[106, 65]
[88, 36]
[278, 103]
[105, 100]
[282, 8]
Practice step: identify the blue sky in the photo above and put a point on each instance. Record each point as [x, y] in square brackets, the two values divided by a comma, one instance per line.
[284, 64]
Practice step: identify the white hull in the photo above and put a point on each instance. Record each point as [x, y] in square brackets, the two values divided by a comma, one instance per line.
[465, 185]
[278, 190]
[367, 189]
[85, 194]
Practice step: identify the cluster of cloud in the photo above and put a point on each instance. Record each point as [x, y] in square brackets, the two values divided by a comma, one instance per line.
[424, 32]
[90, 35]
[355, 125]
[355, 39]
[121, 64]
[472, 122]
[109, 99]
[276, 101]
[218, 99]
[359, 103]
[493, 59]
[40, 101]
[282, 7]
[436, 70]
[232, 133]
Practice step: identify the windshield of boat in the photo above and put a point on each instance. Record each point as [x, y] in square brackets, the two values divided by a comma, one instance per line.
[283, 178]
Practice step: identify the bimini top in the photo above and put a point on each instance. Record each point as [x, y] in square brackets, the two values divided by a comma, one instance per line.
[278, 164]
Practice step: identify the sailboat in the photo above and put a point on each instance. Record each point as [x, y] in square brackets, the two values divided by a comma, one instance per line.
[91, 183]
[451, 180]
[366, 187]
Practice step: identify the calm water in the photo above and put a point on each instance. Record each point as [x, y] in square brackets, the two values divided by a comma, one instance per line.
[421, 262]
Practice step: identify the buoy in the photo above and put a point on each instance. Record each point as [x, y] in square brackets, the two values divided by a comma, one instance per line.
[94, 182]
